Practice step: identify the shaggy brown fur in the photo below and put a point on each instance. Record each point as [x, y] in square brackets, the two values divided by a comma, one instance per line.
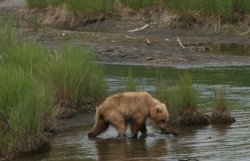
[129, 107]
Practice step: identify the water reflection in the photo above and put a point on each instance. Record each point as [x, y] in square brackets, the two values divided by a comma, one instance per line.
[130, 149]
[207, 143]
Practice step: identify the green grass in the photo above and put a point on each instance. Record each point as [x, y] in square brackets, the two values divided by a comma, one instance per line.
[85, 7]
[244, 5]
[223, 10]
[220, 9]
[75, 78]
[89, 6]
[185, 94]
[36, 3]
[182, 96]
[28, 56]
[22, 110]
[162, 91]
[32, 79]
[7, 37]
[140, 4]
[221, 102]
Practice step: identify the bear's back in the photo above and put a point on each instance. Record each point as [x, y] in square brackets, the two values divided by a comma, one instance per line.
[127, 103]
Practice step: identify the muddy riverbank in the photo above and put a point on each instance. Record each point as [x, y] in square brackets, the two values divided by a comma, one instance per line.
[158, 44]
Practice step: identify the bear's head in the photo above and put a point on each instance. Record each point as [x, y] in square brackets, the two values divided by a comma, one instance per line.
[160, 115]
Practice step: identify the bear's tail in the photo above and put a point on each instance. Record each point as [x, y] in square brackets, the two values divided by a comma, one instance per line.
[100, 125]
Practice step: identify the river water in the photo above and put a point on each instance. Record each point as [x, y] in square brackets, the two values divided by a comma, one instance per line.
[222, 143]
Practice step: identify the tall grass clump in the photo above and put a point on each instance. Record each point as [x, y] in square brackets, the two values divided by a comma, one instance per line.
[76, 79]
[221, 112]
[223, 10]
[28, 56]
[185, 96]
[22, 112]
[181, 102]
[221, 102]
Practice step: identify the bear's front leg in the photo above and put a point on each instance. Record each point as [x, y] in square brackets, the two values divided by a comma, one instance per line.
[139, 123]
[143, 129]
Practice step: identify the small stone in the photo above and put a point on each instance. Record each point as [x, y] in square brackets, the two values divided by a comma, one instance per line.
[149, 58]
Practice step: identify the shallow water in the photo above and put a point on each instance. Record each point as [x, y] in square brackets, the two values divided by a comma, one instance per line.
[221, 143]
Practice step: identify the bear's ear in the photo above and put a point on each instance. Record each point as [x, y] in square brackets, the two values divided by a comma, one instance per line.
[158, 108]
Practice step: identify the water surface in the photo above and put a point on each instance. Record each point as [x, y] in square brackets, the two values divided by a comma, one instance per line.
[206, 143]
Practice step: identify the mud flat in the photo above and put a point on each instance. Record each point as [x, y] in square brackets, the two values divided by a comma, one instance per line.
[116, 41]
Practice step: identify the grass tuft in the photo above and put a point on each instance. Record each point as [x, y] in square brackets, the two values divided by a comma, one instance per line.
[220, 112]
[182, 97]
[75, 78]
[221, 102]
[185, 96]
[181, 102]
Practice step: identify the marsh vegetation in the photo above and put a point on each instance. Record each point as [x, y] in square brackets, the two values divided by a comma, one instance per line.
[36, 83]
[182, 101]
[191, 12]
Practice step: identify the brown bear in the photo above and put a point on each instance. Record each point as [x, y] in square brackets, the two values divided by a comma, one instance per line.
[129, 108]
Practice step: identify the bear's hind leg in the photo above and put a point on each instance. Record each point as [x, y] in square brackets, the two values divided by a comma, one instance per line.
[99, 127]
